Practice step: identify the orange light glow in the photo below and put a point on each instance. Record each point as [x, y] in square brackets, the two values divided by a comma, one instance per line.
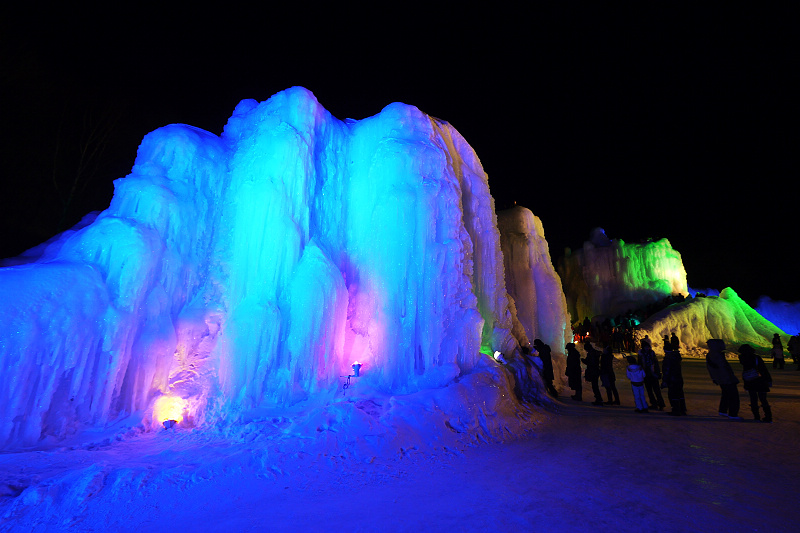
[169, 408]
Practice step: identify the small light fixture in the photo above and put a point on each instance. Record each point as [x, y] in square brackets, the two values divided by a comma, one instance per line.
[356, 373]
[499, 357]
[169, 423]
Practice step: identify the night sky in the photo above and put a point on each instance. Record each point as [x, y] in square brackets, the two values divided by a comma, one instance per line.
[661, 121]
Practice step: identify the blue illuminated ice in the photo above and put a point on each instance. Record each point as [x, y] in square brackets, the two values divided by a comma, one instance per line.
[531, 280]
[253, 268]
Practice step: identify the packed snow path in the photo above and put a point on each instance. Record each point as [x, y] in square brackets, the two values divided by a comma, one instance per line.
[601, 468]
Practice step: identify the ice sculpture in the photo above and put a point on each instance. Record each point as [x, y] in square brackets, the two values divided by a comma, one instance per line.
[607, 277]
[726, 317]
[531, 280]
[254, 268]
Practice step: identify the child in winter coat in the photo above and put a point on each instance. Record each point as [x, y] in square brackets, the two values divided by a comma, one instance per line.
[636, 375]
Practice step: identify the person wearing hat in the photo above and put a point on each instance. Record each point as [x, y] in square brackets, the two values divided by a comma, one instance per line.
[757, 381]
[722, 374]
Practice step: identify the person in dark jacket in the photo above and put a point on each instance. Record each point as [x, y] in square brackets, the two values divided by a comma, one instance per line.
[722, 374]
[592, 373]
[794, 349]
[757, 381]
[777, 352]
[573, 371]
[667, 344]
[673, 382]
[675, 344]
[547, 366]
[652, 373]
[607, 377]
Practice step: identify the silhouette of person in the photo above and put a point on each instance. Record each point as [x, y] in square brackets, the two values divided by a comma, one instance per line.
[649, 363]
[674, 342]
[573, 372]
[547, 366]
[673, 382]
[794, 349]
[777, 352]
[592, 373]
[607, 376]
[722, 374]
[757, 381]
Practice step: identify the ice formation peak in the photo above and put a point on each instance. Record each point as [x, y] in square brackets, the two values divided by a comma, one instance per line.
[599, 238]
[254, 268]
[610, 276]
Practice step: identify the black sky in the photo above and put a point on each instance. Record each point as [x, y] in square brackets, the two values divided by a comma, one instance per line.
[668, 120]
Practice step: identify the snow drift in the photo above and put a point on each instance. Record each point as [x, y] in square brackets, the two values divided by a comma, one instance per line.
[253, 269]
[609, 276]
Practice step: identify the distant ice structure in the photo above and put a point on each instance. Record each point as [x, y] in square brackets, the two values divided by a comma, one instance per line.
[254, 268]
[725, 317]
[532, 281]
[785, 315]
[607, 277]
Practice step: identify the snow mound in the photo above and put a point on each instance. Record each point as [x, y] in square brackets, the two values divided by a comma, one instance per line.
[725, 317]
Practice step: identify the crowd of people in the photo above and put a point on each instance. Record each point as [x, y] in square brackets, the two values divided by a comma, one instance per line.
[648, 378]
[619, 331]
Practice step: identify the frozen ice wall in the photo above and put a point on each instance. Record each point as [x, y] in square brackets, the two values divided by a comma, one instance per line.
[607, 277]
[725, 317]
[532, 281]
[91, 327]
[254, 268]
[373, 241]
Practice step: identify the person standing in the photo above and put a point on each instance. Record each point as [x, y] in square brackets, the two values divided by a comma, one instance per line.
[722, 374]
[794, 349]
[652, 374]
[675, 343]
[777, 352]
[636, 376]
[673, 382]
[757, 381]
[607, 377]
[573, 372]
[592, 373]
[547, 366]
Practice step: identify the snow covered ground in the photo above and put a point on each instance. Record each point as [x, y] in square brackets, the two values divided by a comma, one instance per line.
[576, 467]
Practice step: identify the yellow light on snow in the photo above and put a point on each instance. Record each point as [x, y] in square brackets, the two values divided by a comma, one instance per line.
[169, 408]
